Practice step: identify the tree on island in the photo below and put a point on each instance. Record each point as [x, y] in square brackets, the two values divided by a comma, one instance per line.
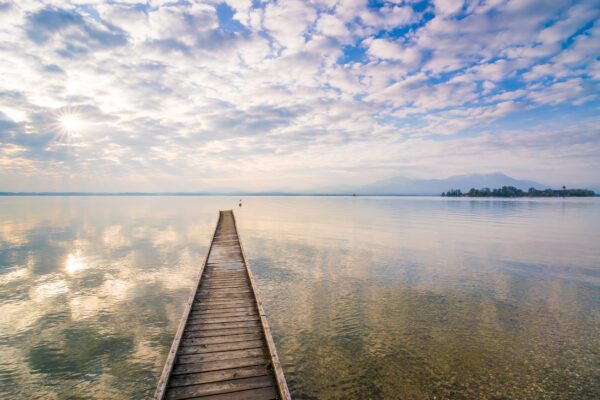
[511, 191]
[453, 193]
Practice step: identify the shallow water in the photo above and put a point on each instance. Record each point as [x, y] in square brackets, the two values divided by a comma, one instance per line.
[367, 297]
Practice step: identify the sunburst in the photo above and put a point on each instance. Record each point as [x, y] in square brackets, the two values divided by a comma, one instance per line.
[69, 122]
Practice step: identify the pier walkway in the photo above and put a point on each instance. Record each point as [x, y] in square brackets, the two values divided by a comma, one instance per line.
[223, 349]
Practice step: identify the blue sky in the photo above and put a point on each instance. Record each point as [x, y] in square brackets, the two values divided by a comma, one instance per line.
[295, 95]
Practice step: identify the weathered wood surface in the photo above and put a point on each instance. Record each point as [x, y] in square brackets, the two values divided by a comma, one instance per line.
[223, 348]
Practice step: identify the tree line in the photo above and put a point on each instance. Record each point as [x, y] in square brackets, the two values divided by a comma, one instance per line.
[511, 191]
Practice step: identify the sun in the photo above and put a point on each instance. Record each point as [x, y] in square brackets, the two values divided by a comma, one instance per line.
[71, 122]
[68, 123]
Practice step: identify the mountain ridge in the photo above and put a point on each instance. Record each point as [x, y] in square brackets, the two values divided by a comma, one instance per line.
[397, 185]
[408, 186]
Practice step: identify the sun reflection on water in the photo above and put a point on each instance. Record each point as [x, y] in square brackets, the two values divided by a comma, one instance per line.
[74, 264]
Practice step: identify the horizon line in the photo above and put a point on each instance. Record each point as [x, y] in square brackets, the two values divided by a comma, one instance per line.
[200, 194]
[203, 194]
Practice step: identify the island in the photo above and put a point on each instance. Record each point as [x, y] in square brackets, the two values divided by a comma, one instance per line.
[511, 191]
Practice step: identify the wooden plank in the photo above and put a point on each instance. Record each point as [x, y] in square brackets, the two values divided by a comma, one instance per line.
[222, 332]
[200, 314]
[220, 339]
[225, 263]
[181, 369]
[222, 302]
[229, 294]
[213, 388]
[221, 307]
[223, 291]
[239, 266]
[227, 258]
[223, 325]
[230, 253]
[214, 320]
[222, 284]
[234, 296]
[220, 355]
[243, 280]
[212, 348]
[226, 271]
[221, 310]
[228, 284]
[216, 273]
[222, 281]
[269, 393]
[243, 292]
[245, 304]
[223, 273]
[216, 376]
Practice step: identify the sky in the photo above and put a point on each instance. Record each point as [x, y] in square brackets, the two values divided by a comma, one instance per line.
[295, 95]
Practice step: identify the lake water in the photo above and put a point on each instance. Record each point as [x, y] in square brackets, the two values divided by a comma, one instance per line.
[367, 297]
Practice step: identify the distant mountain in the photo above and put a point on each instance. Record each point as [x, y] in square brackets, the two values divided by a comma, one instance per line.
[402, 185]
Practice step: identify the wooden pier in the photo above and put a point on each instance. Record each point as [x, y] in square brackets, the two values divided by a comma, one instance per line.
[223, 349]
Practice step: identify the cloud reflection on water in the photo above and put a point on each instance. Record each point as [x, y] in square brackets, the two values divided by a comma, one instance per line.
[385, 297]
[88, 306]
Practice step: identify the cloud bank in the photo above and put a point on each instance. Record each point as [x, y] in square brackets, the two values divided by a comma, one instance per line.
[294, 95]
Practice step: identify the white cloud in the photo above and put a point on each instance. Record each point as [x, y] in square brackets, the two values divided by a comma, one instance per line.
[448, 7]
[388, 17]
[132, 20]
[174, 100]
[385, 49]
[242, 10]
[330, 25]
[288, 21]
[182, 23]
[558, 92]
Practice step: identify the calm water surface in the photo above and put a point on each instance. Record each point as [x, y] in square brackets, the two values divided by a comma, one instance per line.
[381, 298]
